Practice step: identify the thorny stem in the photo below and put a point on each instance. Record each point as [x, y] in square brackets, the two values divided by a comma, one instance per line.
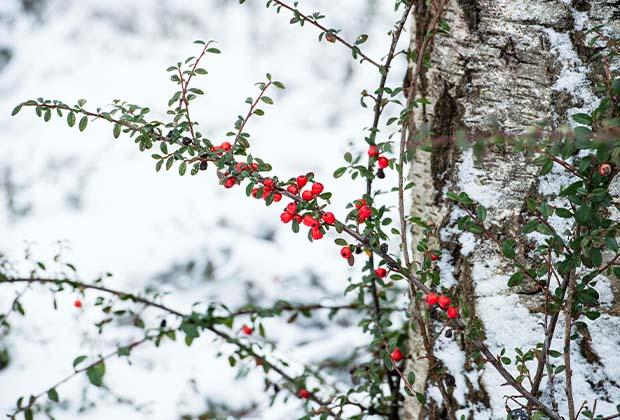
[307, 18]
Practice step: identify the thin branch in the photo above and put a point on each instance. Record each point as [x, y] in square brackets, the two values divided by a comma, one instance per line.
[307, 18]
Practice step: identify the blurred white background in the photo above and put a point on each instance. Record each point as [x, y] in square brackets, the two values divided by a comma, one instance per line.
[113, 213]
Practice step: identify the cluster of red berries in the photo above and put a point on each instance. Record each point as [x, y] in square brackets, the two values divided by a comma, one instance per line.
[310, 220]
[307, 195]
[364, 211]
[444, 302]
[269, 187]
[382, 161]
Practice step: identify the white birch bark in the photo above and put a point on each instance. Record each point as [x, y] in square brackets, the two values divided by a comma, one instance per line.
[508, 64]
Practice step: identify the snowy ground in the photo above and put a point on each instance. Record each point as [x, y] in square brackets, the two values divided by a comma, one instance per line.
[113, 212]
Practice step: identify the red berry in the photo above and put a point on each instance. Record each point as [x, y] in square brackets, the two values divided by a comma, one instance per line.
[303, 393]
[396, 355]
[317, 234]
[255, 193]
[444, 301]
[364, 213]
[310, 221]
[225, 146]
[291, 208]
[77, 303]
[345, 252]
[431, 299]
[254, 166]
[383, 162]
[230, 182]
[360, 203]
[307, 195]
[247, 330]
[381, 272]
[329, 218]
[453, 312]
[297, 218]
[604, 169]
[317, 188]
[268, 182]
[302, 180]
[292, 189]
[286, 217]
[266, 192]
[277, 197]
[434, 257]
[373, 151]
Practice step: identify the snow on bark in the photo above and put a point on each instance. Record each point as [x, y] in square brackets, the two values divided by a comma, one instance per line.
[506, 64]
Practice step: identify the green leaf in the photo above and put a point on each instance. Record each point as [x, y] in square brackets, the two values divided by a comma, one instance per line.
[481, 213]
[583, 119]
[516, 279]
[583, 214]
[117, 131]
[83, 123]
[267, 100]
[95, 373]
[213, 51]
[16, 110]
[339, 172]
[71, 119]
[182, 168]
[52, 394]
[78, 360]
[508, 248]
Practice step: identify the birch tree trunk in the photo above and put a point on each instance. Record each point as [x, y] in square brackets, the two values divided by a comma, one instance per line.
[506, 64]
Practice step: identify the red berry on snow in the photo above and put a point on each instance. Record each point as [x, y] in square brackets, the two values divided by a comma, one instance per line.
[373, 151]
[291, 208]
[77, 303]
[247, 330]
[307, 195]
[431, 299]
[453, 312]
[230, 182]
[396, 355]
[316, 234]
[360, 203]
[225, 146]
[329, 218]
[277, 197]
[444, 301]
[303, 393]
[345, 252]
[604, 169]
[292, 189]
[302, 180]
[317, 188]
[383, 162]
[286, 217]
[381, 272]
[434, 257]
